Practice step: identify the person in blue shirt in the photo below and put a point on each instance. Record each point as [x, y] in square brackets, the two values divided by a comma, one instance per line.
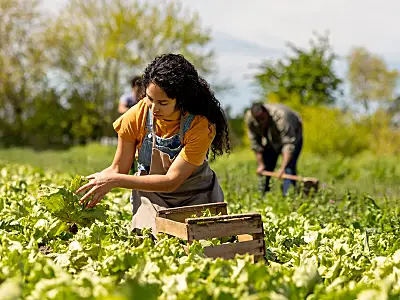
[130, 99]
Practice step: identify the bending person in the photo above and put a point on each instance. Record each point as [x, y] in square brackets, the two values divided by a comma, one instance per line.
[173, 127]
[275, 129]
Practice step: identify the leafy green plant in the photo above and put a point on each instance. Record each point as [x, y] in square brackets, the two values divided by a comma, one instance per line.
[64, 204]
[328, 246]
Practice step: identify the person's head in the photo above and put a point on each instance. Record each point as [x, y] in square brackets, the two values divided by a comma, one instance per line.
[136, 83]
[260, 113]
[171, 83]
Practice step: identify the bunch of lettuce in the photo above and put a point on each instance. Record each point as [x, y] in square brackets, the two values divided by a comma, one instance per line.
[64, 204]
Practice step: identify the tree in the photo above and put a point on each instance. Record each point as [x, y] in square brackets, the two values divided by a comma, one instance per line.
[22, 66]
[308, 74]
[370, 78]
[96, 46]
[60, 78]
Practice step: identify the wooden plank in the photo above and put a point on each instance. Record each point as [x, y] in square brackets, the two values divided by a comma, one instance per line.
[224, 218]
[222, 210]
[230, 227]
[171, 227]
[245, 237]
[257, 236]
[179, 214]
[228, 251]
[260, 236]
[191, 208]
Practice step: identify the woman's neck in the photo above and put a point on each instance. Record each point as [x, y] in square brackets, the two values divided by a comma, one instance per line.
[174, 116]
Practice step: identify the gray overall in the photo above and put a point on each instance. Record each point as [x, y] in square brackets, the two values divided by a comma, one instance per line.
[155, 157]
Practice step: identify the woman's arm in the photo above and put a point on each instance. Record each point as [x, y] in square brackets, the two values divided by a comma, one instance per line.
[179, 171]
[123, 157]
[116, 176]
[101, 183]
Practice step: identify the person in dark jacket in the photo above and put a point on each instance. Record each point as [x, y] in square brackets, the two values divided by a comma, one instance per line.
[275, 129]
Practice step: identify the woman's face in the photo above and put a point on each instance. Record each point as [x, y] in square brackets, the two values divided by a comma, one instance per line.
[162, 107]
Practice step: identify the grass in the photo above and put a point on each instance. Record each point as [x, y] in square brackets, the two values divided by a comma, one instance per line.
[365, 173]
[333, 245]
[76, 160]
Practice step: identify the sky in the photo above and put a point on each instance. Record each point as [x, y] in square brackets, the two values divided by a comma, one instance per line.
[245, 33]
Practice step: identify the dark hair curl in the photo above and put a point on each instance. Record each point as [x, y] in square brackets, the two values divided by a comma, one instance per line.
[136, 81]
[179, 79]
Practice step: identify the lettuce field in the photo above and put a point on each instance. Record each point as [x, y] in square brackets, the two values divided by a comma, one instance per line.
[340, 243]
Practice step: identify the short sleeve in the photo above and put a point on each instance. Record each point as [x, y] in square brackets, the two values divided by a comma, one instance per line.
[123, 99]
[287, 133]
[197, 141]
[130, 126]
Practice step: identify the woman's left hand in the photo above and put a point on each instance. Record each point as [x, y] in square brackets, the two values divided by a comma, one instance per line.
[100, 184]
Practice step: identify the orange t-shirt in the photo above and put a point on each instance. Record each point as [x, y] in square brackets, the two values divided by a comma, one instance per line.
[131, 126]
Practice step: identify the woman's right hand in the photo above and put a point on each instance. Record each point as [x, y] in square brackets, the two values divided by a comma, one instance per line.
[100, 184]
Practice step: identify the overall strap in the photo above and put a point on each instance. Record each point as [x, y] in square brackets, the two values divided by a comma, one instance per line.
[185, 125]
[181, 127]
[188, 122]
[153, 130]
[149, 120]
[144, 158]
[151, 126]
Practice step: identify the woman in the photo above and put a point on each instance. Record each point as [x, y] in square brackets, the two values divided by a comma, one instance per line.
[173, 126]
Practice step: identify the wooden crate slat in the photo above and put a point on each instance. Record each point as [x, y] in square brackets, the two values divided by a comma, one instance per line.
[192, 208]
[179, 214]
[171, 227]
[223, 210]
[260, 236]
[224, 218]
[229, 251]
[230, 227]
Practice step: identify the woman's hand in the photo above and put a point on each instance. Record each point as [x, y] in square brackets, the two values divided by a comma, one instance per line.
[100, 184]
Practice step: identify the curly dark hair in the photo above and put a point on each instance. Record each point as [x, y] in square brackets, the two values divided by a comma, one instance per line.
[136, 81]
[179, 79]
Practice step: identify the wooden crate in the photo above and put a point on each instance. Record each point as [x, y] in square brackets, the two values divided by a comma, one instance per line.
[247, 227]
